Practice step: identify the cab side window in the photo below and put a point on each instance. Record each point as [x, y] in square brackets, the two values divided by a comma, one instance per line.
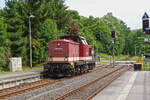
[84, 41]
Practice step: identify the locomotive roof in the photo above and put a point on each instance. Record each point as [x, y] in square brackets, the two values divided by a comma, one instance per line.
[72, 36]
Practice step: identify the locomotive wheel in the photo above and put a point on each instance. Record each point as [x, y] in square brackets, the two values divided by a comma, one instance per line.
[87, 68]
[72, 72]
[81, 69]
[77, 70]
[45, 75]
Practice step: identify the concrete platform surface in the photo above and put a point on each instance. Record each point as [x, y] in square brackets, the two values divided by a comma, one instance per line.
[16, 74]
[133, 85]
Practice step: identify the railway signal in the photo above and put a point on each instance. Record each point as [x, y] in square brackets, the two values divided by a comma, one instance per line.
[113, 34]
[147, 31]
[145, 21]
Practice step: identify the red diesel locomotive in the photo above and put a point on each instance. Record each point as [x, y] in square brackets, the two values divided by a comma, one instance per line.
[70, 55]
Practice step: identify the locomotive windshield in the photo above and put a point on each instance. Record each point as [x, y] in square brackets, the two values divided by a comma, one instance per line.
[77, 40]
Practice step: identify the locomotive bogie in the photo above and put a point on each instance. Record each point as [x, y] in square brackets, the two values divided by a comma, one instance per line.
[67, 69]
[57, 69]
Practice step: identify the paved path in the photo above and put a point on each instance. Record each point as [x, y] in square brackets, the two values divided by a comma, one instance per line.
[133, 85]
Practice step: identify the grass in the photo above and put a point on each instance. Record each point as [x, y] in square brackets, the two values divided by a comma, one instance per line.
[5, 72]
[146, 67]
[134, 58]
[33, 68]
[105, 56]
[119, 57]
[23, 69]
[126, 57]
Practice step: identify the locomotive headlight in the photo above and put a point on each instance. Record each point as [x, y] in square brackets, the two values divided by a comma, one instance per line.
[58, 44]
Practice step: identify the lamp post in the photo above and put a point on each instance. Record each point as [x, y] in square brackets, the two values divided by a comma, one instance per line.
[135, 48]
[31, 16]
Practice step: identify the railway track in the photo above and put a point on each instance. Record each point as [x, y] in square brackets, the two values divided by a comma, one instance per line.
[28, 87]
[89, 90]
[56, 92]
[108, 83]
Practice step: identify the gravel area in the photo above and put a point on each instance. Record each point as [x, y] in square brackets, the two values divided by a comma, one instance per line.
[54, 91]
[84, 93]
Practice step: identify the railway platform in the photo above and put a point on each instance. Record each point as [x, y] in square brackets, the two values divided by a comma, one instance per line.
[16, 78]
[16, 74]
[132, 85]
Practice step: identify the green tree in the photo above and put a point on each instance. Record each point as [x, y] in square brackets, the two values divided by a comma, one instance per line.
[4, 46]
[49, 30]
[15, 29]
[17, 14]
[49, 33]
[44, 10]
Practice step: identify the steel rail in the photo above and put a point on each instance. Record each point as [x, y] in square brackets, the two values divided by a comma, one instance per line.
[38, 86]
[107, 84]
[83, 86]
[39, 81]
[22, 85]
[28, 89]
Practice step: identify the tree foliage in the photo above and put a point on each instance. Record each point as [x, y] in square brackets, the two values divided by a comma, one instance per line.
[4, 46]
[52, 19]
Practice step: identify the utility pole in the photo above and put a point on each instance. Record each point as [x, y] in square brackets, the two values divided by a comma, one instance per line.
[30, 39]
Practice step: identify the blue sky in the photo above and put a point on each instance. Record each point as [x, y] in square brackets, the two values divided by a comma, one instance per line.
[130, 11]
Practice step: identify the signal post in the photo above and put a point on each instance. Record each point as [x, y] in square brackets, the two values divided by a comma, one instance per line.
[146, 29]
[113, 35]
